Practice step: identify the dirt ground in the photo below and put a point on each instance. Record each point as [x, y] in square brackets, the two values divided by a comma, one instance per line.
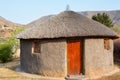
[8, 72]
[115, 76]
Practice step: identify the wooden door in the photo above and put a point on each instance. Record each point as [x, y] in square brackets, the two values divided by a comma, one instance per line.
[74, 53]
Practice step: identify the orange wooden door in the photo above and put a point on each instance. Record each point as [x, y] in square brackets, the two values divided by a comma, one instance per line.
[74, 49]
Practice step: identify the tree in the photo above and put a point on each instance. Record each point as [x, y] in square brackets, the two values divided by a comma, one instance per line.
[9, 46]
[104, 19]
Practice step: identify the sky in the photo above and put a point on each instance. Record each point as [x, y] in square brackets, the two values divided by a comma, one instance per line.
[25, 11]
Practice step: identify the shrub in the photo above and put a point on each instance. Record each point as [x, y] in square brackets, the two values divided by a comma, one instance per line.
[9, 47]
[104, 19]
[116, 29]
[5, 52]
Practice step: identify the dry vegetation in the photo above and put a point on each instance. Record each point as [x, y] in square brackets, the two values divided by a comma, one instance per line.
[8, 72]
[116, 29]
[116, 76]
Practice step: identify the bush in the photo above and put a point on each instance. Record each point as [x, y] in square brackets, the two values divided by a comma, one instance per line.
[116, 29]
[6, 52]
[9, 47]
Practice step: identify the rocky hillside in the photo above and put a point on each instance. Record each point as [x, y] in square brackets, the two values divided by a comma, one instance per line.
[6, 24]
[6, 27]
[115, 16]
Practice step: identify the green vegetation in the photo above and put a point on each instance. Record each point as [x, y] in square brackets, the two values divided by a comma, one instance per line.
[8, 47]
[2, 40]
[104, 19]
[6, 51]
[116, 29]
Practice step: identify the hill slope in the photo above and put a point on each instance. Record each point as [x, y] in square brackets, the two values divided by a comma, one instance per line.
[6, 27]
[7, 24]
[114, 15]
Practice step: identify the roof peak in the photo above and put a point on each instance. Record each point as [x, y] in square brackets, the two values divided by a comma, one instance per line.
[67, 8]
[68, 13]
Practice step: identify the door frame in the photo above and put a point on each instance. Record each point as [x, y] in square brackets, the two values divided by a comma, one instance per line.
[82, 56]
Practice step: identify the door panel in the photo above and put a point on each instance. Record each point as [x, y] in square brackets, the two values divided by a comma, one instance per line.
[74, 57]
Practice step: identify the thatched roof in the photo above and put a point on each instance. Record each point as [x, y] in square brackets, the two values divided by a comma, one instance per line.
[39, 21]
[67, 24]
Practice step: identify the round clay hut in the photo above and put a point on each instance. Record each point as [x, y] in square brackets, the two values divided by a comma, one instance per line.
[67, 44]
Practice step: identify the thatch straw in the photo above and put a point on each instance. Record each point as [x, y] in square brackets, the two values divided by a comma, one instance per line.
[39, 21]
[67, 24]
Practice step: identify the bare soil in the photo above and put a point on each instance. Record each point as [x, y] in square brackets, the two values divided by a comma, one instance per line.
[8, 72]
[115, 76]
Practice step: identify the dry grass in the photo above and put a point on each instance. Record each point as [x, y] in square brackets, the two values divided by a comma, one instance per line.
[116, 29]
[116, 76]
[7, 72]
